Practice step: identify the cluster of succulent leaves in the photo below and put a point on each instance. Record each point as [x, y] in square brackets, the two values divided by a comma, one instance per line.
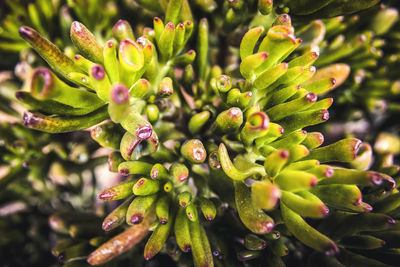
[372, 57]
[205, 134]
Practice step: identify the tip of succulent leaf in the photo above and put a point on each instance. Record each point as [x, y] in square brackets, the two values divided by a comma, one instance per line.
[98, 72]
[124, 171]
[331, 250]
[144, 132]
[325, 115]
[186, 248]
[41, 83]
[120, 94]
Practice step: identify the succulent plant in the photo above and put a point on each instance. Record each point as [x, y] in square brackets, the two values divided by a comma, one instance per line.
[217, 151]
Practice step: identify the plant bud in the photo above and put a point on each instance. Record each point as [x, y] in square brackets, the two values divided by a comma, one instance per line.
[322, 104]
[83, 63]
[222, 83]
[140, 140]
[158, 28]
[74, 252]
[188, 30]
[305, 76]
[147, 48]
[62, 245]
